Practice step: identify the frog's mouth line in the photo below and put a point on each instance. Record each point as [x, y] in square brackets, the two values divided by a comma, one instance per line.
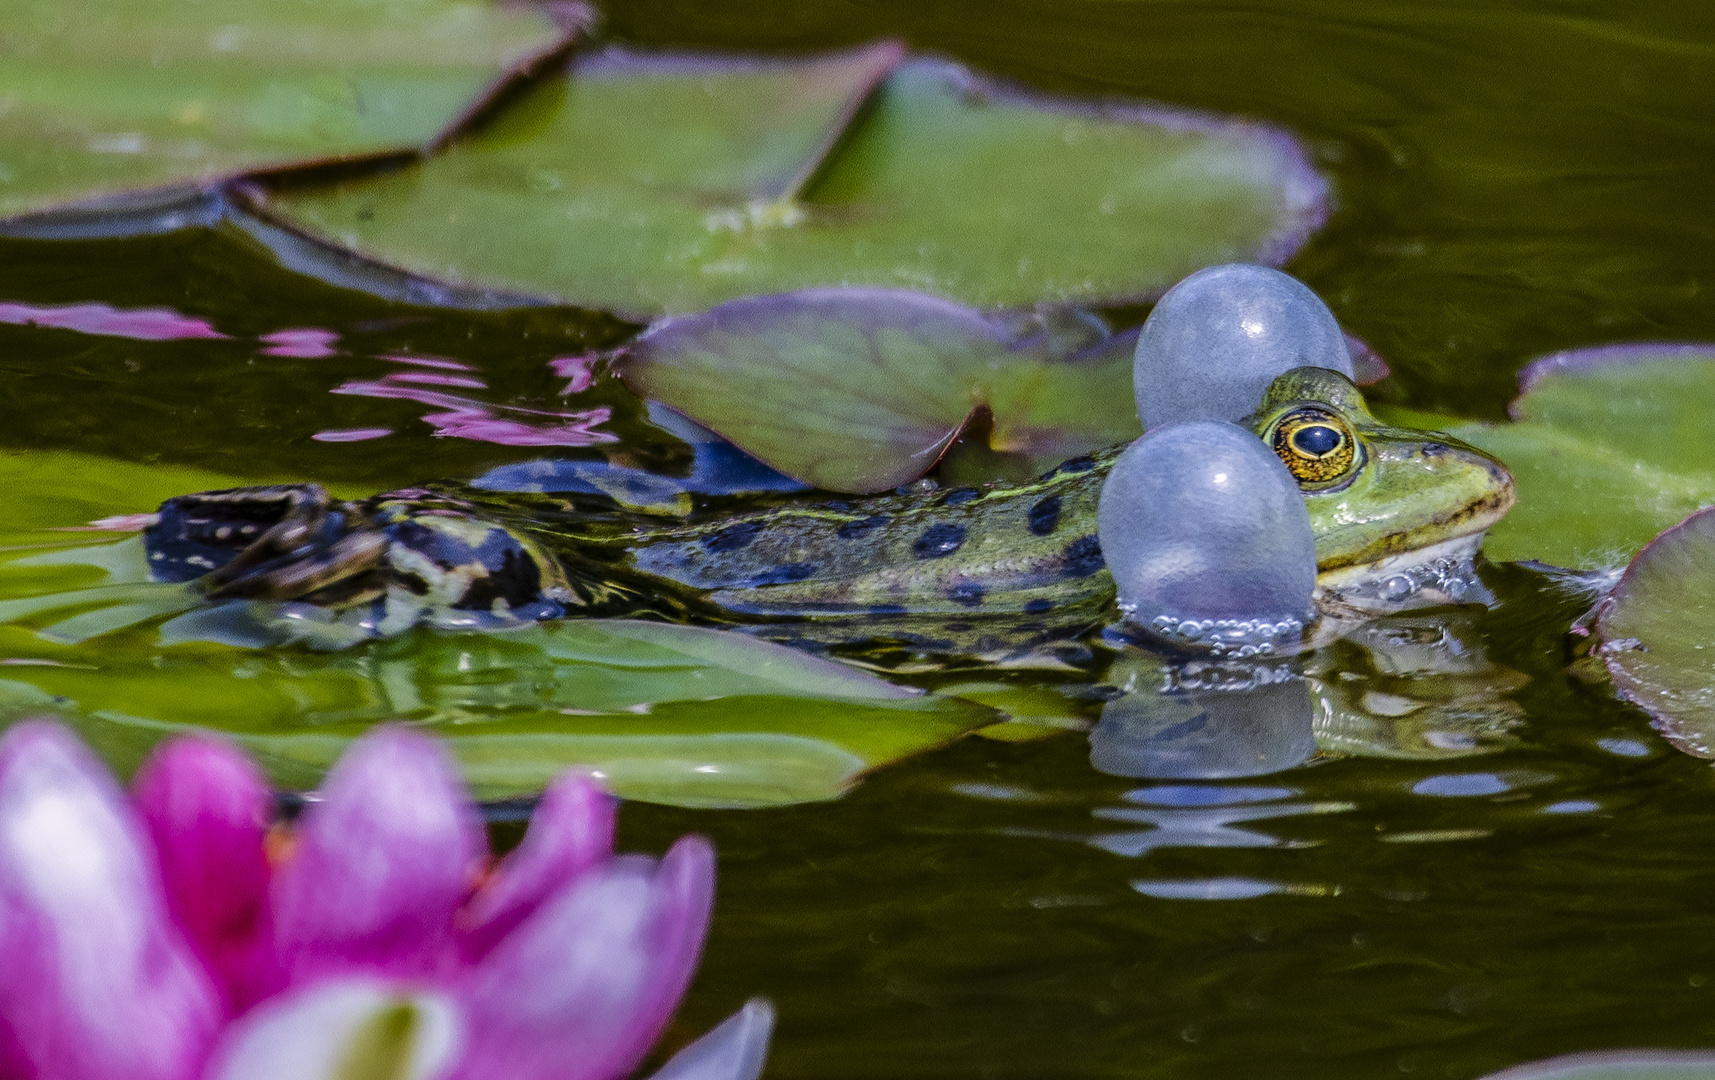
[1443, 573]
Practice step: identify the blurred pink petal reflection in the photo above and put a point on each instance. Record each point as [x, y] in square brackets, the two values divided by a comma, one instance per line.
[141, 324]
[492, 429]
[461, 417]
[361, 434]
[427, 361]
[579, 369]
[301, 342]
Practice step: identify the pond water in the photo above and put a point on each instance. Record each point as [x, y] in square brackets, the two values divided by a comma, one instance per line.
[1512, 179]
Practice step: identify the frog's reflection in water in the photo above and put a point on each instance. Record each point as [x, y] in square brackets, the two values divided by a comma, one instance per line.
[1415, 687]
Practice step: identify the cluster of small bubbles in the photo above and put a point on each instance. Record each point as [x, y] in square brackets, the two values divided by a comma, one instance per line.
[1447, 580]
[1224, 677]
[1230, 637]
[1216, 340]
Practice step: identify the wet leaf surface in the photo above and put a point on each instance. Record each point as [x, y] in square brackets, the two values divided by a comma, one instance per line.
[1609, 447]
[678, 714]
[109, 97]
[862, 390]
[1657, 630]
[660, 183]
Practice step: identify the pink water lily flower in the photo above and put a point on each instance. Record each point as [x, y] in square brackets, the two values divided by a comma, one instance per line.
[176, 935]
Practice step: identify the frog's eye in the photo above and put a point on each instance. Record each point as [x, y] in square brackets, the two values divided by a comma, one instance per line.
[1317, 446]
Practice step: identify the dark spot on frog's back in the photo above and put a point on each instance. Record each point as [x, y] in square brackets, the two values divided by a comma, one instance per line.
[967, 593]
[938, 541]
[851, 530]
[960, 496]
[1044, 517]
[733, 537]
[1076, 465]
[443, 550]
[784, 574]
[1038, 606]
[1083, 557]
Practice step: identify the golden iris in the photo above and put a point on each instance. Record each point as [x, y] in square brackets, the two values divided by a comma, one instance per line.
[1316, 445]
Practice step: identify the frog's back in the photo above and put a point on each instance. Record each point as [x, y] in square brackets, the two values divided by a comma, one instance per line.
[1028, 548]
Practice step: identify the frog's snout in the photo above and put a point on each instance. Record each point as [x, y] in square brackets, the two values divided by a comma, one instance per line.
[1483, 485]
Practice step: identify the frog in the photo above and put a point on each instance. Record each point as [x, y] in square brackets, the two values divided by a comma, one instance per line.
[1397, 514]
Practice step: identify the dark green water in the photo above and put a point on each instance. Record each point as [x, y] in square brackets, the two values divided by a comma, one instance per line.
[1513, 179]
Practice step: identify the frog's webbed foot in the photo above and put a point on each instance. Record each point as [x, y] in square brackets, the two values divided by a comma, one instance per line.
[284, 542]
[384, 564]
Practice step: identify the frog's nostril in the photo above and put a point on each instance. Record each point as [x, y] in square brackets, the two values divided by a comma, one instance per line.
[1434, 449]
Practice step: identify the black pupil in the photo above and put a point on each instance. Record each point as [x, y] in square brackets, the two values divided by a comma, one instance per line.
[1316, 440]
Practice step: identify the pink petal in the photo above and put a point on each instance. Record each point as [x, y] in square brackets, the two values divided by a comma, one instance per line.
[308, 1034]
[381, 865]
[736, 1049]
[208, 808]
[584, 987]
[571, 831]
[97, 981]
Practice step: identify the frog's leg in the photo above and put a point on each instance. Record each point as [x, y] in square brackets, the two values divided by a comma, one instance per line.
[426, 559]
[282, 542]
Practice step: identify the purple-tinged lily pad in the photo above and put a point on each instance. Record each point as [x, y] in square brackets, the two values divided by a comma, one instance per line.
[1609, 447]
[1657, 630]
[1618, 1065]
[109, 97]
[661, 183]
[862, 390]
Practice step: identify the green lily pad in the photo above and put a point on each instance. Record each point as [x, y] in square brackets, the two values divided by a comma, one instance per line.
[668, 713]
[1618, 1065]
[1657, 630]
[862, 390]
[52, 496]
[653, 184]
[1609, 447]
[672, 714]
[106, 97]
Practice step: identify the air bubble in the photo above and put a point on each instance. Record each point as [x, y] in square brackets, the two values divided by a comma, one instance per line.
[1208, 539]
[1217, 340]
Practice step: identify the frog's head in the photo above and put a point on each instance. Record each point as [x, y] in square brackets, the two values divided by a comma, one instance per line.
[1397, 512]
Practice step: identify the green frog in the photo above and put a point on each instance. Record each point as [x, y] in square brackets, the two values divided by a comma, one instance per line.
[1397, 515]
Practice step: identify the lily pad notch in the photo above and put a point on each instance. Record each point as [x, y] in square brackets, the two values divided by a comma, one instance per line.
[130, 118]
[648, 184]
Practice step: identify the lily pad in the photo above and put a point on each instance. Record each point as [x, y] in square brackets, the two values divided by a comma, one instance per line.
[1657, 630]
[1618, 1065]
[107, 97]
[1610, 446]
[664, 713]
[52, 497]
[661, 183]
[669, 713]
[862, 390]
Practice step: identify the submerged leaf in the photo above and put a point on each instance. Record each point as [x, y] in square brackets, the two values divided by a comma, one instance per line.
[106, 97]
[667, 713]
[1658, 633]
[662, 183]
[1610, 446]
[862, 390]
